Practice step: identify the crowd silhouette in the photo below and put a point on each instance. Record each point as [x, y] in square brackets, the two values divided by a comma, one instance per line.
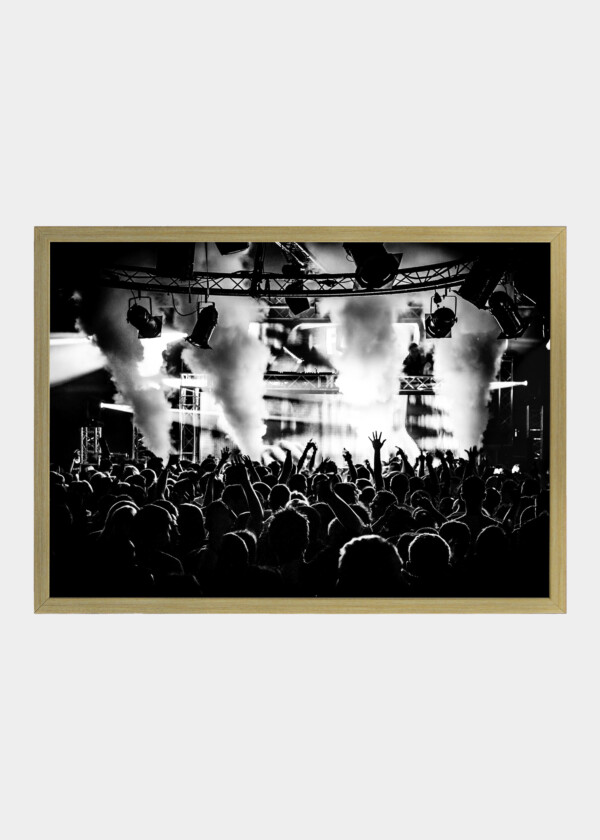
[443, 526]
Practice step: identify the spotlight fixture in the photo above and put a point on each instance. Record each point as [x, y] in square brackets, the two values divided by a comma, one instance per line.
[480, 284]
[505, 311]
[205, 325]
[147, 325]
[374, 265]
[226, 248]
[440, 321]
[297, 305]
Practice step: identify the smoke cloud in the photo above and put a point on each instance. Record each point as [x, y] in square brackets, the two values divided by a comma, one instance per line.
[236, 364]
[465, 365]
[102, 315]
[369, 364]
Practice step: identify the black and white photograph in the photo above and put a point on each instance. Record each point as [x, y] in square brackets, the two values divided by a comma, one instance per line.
[297, 419]
[299, 465]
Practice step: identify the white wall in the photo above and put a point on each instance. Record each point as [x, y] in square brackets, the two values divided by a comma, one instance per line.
[320, 727]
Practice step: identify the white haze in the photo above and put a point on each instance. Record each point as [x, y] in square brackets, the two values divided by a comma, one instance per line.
[369, 365]
[236, 364]
[102, 316]
[465, 365]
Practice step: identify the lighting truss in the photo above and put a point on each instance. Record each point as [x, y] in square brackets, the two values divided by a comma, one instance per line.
[275, 287]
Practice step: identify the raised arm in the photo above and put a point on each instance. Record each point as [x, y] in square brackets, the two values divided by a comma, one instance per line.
[311, 462]
[349, 519]
[432, 473]
[446, 477]
[286, 472]
[254, 476]
[307, 449]
[352, 474]
[209, 491]
[407, 466]
[225, 453]
[255, 507]
[160, 490]
[471, 466]
[428, 505]
[377, 444]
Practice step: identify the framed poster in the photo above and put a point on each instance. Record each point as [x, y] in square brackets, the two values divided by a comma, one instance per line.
[300, 419]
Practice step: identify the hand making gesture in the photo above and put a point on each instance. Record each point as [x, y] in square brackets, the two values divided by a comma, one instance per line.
[376, 441]
[377, 444]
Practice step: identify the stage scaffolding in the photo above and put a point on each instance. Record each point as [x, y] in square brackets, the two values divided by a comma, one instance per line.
[276, 288]
[90, 451]
[190, 421]
[326, 382]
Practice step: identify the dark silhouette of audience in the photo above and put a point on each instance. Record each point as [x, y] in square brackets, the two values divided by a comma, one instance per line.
[442, 526]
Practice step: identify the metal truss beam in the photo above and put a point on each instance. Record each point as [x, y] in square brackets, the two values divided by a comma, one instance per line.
[90, 449]
[275, 287]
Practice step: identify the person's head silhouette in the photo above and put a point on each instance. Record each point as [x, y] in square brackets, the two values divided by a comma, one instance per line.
[368, 566]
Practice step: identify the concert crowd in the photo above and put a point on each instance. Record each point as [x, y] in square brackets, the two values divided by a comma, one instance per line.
[441, 526]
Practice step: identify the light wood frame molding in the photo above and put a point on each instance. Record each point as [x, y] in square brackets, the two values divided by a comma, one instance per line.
[555, 236]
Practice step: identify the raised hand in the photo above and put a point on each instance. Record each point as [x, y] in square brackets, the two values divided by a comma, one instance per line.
[347, 456]
[401, 453]
[472, 453]
[376, 441]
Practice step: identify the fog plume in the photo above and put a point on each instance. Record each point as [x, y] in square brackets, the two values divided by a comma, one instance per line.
[369, 363]
[236, 364]
[465, 366]
[102, 316]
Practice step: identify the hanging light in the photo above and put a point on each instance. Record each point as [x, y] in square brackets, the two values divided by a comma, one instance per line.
[205, 326]
[439, 322]
[480, 284]
[505, 311]
[147, 325]
[374, 265]
[297, 305]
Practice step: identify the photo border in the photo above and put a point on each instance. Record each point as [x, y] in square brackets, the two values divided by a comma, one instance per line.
[555, 603]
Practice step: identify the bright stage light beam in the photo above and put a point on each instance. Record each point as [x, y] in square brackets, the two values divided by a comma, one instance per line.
[72, 355]
[497, 386]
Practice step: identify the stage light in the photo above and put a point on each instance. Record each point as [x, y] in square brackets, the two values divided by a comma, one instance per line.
[440, 322]
[226, 248]
[480, 284]
[374, 265]
[505, 311]
[147, 325]
[205, 326]
[297, 305]
[153, 327]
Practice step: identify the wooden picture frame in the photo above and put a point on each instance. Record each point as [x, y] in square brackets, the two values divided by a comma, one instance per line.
[555, 603]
